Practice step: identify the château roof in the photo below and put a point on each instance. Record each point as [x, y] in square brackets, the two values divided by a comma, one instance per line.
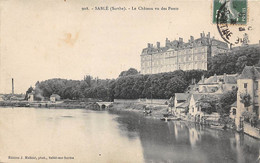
[179, 44]
[250, 72]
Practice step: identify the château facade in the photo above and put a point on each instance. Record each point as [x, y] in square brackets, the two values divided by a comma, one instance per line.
[179, 55]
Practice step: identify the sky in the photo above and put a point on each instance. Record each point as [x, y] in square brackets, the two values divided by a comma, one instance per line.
[46, 39]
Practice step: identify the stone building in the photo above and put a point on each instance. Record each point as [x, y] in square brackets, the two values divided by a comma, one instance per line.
[54, 98]
[175, 55]
[217, 84]
[248, 83]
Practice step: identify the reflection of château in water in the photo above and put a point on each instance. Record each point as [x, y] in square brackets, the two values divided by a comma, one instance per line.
[179, 55]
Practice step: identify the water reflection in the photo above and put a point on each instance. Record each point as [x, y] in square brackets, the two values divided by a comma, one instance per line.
[186, 142]
[92, 136]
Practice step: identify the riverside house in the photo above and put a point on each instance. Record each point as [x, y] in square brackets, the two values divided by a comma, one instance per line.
[195, 111]
[181, 103]
[54, 98]
[248, 99]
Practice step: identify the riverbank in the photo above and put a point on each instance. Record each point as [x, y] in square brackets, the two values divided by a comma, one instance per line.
[47, 104]
[157, 110]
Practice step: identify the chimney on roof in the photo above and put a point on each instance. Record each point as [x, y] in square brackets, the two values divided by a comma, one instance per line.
[202, 34]
[202, 78]
[208, 35]
[148, 45]
[158, 44]
[167, 41]
[180, 40]
[191, 38]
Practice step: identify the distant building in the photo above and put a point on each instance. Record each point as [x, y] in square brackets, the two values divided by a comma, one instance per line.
[179, 55]
[248, 83]
[31, 97]
[54, 98]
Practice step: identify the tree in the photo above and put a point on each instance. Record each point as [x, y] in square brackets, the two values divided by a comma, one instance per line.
[245, 98]
[208, 104]
[131, 71]
[225, 102]
[27, 93]
[234, 61]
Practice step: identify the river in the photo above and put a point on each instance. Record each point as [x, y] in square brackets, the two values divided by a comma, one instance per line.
[79, 135]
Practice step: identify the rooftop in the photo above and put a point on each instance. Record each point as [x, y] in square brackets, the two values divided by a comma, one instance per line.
[229, 79]
[179, 44]
[182, 96]
[198, 96]
[234, 104]
[250, 72]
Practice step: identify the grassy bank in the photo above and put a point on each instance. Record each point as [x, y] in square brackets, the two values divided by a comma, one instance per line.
[157, 110]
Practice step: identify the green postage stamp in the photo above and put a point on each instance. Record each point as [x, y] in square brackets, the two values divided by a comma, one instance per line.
[230, 12]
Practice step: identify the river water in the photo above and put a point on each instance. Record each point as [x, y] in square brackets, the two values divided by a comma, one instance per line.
[78, 135]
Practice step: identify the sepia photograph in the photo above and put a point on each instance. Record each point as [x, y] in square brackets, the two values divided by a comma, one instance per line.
[120, 81]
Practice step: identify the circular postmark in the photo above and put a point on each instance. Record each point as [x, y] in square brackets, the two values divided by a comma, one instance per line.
[231, 20]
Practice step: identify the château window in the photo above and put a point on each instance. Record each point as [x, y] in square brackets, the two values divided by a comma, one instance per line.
[245, 85]
[256, 85]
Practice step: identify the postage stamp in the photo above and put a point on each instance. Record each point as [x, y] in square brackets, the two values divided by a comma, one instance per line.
[231, 18]
[230, 11]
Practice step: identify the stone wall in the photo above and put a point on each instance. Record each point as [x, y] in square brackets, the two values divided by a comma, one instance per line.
[252, 131]
[143, 101]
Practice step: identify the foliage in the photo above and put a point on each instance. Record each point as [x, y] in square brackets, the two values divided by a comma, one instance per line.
[208, 104]
[131, 71]
[245, 98]
[225, 102]
[27, 92]
[249, 116]
[225, 119]
[127, 86]
[234, 61]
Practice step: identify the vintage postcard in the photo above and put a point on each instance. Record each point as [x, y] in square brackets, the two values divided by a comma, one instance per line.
[120, 81]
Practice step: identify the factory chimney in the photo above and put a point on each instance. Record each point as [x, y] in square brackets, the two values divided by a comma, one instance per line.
[12, 86]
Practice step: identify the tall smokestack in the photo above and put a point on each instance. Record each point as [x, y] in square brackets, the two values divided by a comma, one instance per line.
[12, 86]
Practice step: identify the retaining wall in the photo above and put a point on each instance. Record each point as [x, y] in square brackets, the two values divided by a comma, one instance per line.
[252, 131]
